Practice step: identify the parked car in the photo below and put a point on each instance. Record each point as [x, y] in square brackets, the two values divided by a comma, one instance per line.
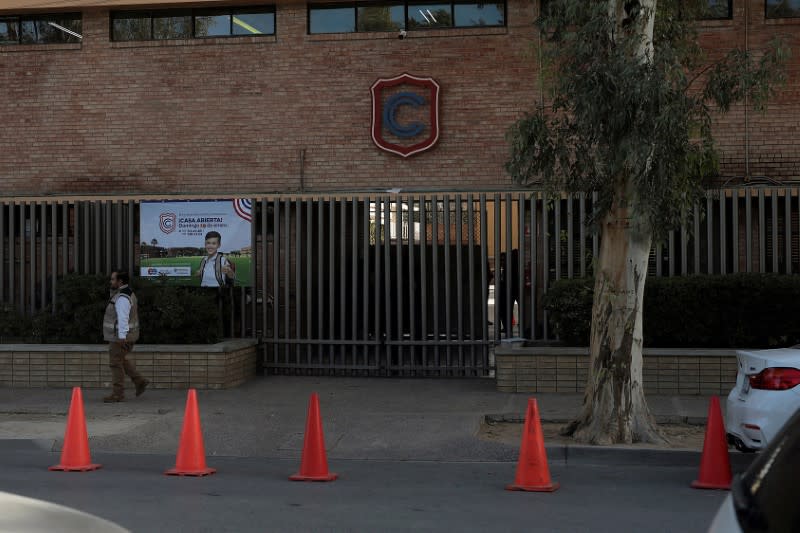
[764, 497]
[21, 514]
[766, 394]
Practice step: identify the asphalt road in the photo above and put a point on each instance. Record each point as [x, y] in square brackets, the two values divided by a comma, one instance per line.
[254, 494]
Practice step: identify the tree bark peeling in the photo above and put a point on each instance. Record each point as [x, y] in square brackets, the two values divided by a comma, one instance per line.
[615, 410]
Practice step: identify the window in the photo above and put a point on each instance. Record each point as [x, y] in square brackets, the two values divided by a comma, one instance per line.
[466, 15]
[429, 15]
[381, 17]
[192, 23]
[40, 29]
[332, 19]
[9, 30]
[409, 15]
[777, 9]
[172, 25]
[718, 9]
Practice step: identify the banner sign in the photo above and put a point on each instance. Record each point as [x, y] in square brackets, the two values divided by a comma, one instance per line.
[202, 243]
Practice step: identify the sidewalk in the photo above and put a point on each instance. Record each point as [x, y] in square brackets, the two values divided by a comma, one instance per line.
[363, 418]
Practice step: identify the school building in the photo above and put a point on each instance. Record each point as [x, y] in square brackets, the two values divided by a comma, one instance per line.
[369, 138]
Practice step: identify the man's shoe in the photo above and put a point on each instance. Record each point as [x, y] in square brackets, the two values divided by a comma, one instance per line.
[114, 398]
[141, 386]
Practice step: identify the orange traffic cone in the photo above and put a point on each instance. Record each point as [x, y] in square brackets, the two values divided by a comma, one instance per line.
[532, 471]
[715, 464]
[314, 463]
[75, 455]
[191, 459]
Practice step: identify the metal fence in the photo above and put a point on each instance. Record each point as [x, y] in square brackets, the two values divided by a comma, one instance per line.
[401, 284]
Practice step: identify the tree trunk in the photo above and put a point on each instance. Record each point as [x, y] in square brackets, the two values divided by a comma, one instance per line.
[614, 408]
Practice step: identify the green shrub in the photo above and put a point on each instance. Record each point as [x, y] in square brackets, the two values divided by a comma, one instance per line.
[77, 315]
[167, 314]
[14, 326]
[569, 304]
[738, 310]
[184, 315]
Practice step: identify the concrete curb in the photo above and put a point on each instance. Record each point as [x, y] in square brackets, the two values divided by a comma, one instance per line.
[626, 455]
[516, 418]
[623, 455]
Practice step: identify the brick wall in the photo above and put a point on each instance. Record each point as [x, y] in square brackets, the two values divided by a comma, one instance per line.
[676, 371]
[225, 116]
[217, 366]
[770, 140]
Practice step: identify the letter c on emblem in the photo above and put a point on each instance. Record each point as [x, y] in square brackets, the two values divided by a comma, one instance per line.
[390, 109]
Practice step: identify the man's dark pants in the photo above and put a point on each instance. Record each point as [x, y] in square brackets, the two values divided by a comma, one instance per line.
[120, 365]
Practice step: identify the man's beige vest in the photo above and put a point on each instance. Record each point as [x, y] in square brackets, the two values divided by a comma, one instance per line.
[110, 329]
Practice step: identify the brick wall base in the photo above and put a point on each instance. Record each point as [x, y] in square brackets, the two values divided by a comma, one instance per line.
[216, 366]
[666, 371]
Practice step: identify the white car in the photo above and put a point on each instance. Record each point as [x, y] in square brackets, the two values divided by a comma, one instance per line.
[766, 394]
[21, 514]
[764, 497]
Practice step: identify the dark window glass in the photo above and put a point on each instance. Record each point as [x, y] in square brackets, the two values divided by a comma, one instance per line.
[332, 20]
[423, 16]
[212, 23]
[381, 18]
[50, 29]
[131, 26]
[9, 30]
[393, 16]
[172, 25]
[718, 9]
[254, 22]
[467, 15]
[783, 9]
[27, 32]
[178, 24]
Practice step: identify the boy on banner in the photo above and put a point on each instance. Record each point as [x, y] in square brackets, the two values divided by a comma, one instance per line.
[215, 269]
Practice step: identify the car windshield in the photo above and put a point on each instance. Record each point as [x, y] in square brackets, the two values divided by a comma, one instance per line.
[765, 495]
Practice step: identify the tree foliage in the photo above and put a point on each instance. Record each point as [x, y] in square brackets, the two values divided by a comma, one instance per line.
[615, 115]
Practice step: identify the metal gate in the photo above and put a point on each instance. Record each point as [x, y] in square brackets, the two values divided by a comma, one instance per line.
[387, 285]
[396, 284]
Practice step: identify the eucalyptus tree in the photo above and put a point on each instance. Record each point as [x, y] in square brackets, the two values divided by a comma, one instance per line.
[633, 97]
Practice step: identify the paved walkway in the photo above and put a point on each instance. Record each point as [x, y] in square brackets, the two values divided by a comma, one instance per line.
[363, 418]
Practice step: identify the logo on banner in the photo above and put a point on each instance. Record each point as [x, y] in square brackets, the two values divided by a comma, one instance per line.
[167, 222]
[405, 114]
[244, 208]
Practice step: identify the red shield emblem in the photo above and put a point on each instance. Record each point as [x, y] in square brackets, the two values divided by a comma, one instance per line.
[405, 114]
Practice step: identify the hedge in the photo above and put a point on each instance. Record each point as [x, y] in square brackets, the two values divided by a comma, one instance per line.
[167, 314]
[730, 311]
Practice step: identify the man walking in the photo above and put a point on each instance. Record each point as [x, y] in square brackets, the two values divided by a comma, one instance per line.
[121, 330]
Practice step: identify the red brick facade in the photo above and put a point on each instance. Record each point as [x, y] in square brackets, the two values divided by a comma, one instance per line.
[238, 116]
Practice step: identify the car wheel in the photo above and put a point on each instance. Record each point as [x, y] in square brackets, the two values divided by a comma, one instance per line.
[741, 446]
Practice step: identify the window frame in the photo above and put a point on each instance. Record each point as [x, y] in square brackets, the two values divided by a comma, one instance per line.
[729, 16]
[58, 18]
[784, 17]
[193, 13]
[329, 7]
[354, 5]
[383, 3]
